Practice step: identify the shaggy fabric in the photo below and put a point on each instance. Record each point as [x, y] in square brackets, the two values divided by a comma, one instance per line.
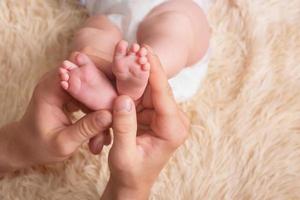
[245, 133]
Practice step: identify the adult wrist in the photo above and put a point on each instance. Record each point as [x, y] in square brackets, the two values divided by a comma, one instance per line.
[9, 158]
[115, 191]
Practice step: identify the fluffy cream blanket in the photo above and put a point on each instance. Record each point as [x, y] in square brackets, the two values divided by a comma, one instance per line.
[245, 134]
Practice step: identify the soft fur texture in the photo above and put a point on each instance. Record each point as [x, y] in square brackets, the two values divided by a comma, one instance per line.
[245, 133]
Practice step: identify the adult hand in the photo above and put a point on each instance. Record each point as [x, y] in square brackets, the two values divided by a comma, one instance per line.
[140, 151]
[45, 134]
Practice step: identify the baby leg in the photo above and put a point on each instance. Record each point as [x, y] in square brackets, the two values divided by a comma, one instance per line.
[97, 39]
[87, 84]
[178, 32]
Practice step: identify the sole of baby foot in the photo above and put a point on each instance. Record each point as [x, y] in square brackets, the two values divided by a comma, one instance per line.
[131, 69]
[87, 84]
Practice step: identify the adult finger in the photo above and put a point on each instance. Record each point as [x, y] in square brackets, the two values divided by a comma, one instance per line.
[124, 124]
[107, 138]
[161, 93]
[84, 129]
[97, 142]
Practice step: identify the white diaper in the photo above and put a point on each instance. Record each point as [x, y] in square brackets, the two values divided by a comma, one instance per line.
[127, 14]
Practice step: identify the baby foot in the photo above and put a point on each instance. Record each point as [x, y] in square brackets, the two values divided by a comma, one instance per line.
[131, 69]
[86, 83]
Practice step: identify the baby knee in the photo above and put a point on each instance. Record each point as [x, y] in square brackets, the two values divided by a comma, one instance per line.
[171, 24]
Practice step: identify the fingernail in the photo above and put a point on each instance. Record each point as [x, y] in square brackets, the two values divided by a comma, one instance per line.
[123, 105]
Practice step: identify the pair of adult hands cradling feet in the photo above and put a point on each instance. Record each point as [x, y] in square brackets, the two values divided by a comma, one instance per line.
[143, 140]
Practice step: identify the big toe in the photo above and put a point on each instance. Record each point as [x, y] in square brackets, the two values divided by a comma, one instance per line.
[121, 48]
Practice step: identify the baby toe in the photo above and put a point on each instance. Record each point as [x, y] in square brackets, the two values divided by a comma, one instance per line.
[142, 60]
[64, 76]
[62, 70]
[143, 52]
[121, 48]
[69, 65]
[64, 85]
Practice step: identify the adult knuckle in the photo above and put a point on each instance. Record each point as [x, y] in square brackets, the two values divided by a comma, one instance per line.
[94, 124]
[85, 129]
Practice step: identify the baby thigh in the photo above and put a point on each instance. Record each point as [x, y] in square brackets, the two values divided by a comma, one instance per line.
[178, 32]
[97, 39]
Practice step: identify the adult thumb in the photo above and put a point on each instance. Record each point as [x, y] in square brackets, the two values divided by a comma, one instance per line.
[124, 124]
[86, 128]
